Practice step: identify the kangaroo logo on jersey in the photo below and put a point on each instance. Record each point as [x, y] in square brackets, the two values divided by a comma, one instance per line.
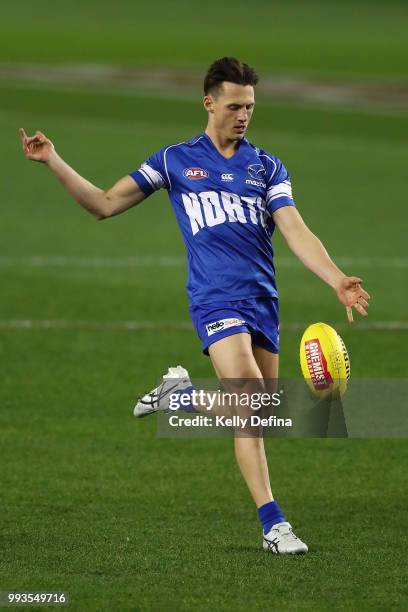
[256, 171]
[195, 173]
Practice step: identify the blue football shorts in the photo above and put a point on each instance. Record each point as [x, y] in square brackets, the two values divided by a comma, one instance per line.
[258, 317]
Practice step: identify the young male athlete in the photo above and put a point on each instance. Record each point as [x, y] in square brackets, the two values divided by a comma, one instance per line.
[228, 195]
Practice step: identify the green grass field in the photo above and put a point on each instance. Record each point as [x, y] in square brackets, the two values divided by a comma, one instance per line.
[362, 38]
[93, 502]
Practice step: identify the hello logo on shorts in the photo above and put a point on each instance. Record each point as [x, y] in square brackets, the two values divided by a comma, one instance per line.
[217, 326]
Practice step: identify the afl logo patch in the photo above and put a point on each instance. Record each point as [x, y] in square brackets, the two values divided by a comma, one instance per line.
[195, 173]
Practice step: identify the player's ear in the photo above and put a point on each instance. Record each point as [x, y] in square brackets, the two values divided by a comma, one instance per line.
[208, 104]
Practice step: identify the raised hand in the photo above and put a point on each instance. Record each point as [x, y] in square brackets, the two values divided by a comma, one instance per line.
[38, 147]
[352, 295]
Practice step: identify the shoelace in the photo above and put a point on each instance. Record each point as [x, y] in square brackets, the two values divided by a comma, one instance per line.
[157, 394]
[139, 397]
[287, 533]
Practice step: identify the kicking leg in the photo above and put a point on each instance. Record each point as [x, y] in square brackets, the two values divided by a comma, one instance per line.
[267, 362]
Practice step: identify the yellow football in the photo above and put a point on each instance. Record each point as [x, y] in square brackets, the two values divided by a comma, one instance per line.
[324, 361]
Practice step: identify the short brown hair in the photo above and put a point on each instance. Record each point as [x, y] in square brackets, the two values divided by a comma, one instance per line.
[228, 69]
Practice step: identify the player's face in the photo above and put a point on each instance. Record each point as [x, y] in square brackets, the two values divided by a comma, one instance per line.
[231, 109]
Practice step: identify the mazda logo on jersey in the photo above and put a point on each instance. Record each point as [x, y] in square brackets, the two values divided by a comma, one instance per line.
[256, 171]
[195, 173]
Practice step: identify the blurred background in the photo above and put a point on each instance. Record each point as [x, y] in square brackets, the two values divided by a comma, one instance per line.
[93, 313]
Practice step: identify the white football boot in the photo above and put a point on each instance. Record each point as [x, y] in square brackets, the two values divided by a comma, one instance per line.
[176, 379]
[281, 540]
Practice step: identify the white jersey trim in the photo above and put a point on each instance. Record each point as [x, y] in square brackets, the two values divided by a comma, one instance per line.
[270, 159]
[152, 176]
[276, 191]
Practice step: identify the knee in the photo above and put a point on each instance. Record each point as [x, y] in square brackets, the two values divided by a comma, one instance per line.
[245, 444]
[245, 367]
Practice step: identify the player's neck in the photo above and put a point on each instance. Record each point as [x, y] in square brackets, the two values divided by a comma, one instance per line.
[225, 146]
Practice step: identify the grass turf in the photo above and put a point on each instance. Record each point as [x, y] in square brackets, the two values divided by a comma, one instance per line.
[319, 38]
[93, 502]
[96, 505]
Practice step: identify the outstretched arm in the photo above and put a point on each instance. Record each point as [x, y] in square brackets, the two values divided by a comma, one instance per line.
[308, 248]
[102, 204]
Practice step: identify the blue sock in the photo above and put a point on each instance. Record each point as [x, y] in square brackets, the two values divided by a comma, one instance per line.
[181, 400]
[270, 514]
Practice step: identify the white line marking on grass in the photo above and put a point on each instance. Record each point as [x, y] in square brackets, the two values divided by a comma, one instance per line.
[135, 261]
[62, 261]
[298, 326]
[164, 82]
[93, 325]
[357, 325]
[358, 262]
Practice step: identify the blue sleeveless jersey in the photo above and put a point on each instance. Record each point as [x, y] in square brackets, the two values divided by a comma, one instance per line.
[224, 209]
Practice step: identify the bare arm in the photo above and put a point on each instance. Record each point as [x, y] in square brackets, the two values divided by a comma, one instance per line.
[308, 248]
[102, 204]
